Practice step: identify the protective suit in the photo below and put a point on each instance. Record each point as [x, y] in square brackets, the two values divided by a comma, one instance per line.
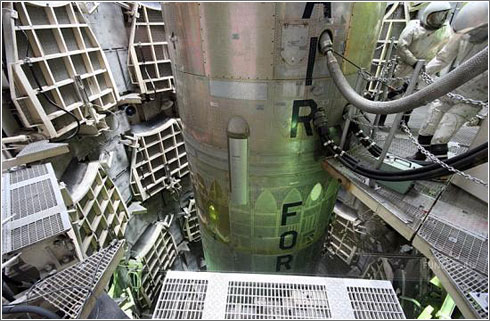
[447, 116]
[421, 39]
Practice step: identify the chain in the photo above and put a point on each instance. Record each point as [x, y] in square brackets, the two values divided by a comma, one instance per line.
[437, 160]
[429, 80]
[385, 80]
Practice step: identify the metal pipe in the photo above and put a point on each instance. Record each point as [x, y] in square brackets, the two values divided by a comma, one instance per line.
[15, 139]
[398, 117]
[352, 110]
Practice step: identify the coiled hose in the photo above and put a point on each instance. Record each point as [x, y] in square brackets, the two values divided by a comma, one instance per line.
[463, 73]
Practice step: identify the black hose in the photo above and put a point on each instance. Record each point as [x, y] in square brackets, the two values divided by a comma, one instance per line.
[408, 175]
[6, 309]
[376, 151]
[464, 161]
[452, 80]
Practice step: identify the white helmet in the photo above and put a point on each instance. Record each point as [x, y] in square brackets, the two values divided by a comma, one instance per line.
[471, 16]
[435, 14]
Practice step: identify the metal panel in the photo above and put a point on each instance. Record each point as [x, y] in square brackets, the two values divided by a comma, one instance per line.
[464, 246]
[32, 207]
[57, 55]
[206, 295]
[159, 157]
[149, 60]
[101, 214]
[156, 250]
[467, 282]
[238, 40]
[73, 291]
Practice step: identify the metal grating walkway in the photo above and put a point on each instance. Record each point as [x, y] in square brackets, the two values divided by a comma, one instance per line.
[460, 245]
[73, 290]
[214, 296]
[469, 283]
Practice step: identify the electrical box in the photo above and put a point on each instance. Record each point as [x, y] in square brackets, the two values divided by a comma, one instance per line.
[395, 164]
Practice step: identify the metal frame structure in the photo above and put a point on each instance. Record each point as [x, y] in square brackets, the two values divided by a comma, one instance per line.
[73, 291]
[35, 221]
[101, 215]
[61, 46]
[158, 158]
[218, 296]
[190, 224]
[148, 59]
[389, 29]
[156, 250]
[342, 240]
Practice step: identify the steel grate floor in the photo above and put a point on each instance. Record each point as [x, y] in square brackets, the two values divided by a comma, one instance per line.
[181, 299]
[262, 300]
[217, 296]
[374, 303]
[69, 289]
[460, 245]
[466, 281]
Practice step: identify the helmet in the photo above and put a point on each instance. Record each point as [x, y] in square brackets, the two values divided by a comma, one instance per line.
[435, 14]
[472, 16]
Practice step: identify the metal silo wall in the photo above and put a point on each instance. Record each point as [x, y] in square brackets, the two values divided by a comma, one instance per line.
[247, 83]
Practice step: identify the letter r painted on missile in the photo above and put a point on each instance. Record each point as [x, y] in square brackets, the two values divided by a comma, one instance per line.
[284, 260]
[286, 213]
[306, 120]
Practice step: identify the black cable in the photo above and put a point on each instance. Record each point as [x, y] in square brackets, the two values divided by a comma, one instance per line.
[479, 158]
[30, 309]
[353, 165]
[48, 99]
[453, 161]
[464, 161]
[349, 61]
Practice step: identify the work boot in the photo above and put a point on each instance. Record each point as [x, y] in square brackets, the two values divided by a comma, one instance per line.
[439, 150]
[425, 142]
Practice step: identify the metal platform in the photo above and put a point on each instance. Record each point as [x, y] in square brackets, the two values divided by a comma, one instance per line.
[438, 217]
[73, 291]
[466, 286]
[405, 213]
[206, 295]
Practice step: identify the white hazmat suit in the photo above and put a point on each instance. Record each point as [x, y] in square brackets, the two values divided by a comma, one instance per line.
[420, 39]
[447, 116]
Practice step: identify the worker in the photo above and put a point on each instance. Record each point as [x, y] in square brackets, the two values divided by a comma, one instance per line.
[421, 39]
[446, 116]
